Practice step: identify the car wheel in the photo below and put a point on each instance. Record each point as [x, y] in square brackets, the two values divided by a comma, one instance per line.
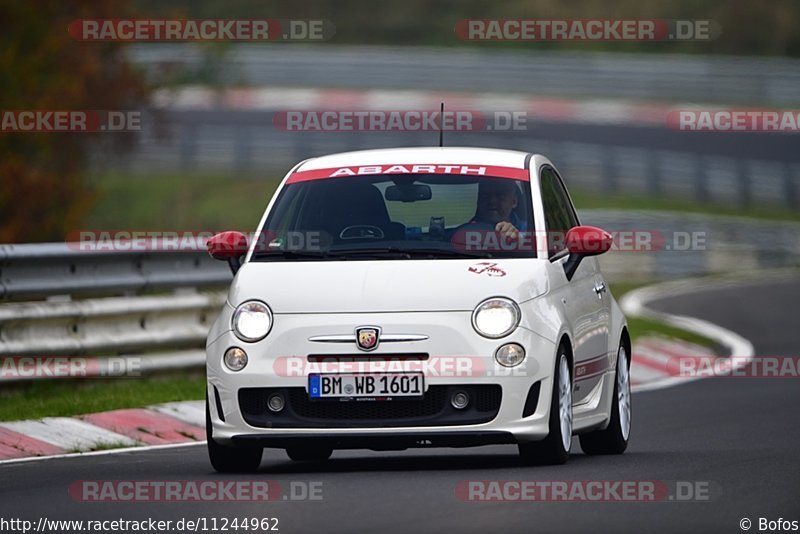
[227, 459]
[554, 449]
[614, 439]
[309, 454]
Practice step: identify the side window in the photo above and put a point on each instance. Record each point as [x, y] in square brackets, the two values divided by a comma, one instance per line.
[559, 214]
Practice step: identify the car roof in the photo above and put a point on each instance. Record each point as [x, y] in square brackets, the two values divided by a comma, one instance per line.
[420, 155]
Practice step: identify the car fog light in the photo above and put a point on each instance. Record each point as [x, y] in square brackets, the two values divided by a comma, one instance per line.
[510, 355]
[235, 359]
[276, 403]
[460, 400]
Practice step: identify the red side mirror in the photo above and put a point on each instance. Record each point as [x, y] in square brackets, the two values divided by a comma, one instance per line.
[588, 241]
[227, 245]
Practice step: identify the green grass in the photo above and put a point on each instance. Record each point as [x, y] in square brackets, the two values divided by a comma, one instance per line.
[588, 200]
[192, 202]
[101, 447]
[640, 328]
[214, 202]
[64, 398]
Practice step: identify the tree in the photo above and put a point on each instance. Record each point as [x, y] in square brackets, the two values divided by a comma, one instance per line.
[43, 188]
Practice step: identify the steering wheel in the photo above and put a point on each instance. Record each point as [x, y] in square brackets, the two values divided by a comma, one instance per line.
[361, 231]
[479, 226]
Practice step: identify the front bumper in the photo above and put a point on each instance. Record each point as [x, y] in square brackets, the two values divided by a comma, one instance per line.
[234, 396]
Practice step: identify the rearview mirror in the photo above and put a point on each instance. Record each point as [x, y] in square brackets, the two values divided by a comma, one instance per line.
[408, 192]
[584, 241]
[229, 246]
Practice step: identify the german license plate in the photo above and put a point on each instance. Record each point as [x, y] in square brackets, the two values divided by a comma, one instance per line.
[365, 385]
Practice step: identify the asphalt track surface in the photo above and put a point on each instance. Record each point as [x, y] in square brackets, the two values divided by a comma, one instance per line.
[739, 434]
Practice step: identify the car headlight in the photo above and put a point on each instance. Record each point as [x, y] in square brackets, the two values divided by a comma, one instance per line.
[252, 321]
[496, 317]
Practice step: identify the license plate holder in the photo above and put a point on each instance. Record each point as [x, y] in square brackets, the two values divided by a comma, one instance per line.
[366, 386]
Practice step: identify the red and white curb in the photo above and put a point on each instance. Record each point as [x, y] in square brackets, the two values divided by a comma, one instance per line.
[166, 424]
[651, 358]
[599, 111]
[656, 362]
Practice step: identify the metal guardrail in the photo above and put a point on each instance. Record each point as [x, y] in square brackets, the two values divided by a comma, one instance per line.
[168, 331]
[48, 269]
[147, 333]
[111, 325]
[743, 168]
[666, 77]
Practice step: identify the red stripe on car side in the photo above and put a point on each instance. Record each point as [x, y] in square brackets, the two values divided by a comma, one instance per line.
[591, 368]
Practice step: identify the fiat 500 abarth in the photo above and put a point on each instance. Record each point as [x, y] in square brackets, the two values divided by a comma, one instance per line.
[417, 297]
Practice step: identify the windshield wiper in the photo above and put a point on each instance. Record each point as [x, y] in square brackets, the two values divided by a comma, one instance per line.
[356, 253]
[366, 253]
[375, 252]
[291, 254]
[408, 253]
[450, 253]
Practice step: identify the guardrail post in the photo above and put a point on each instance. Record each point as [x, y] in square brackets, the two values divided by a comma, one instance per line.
[743, 178]
[701, 178]
[789, 189]
[653, 173]
[242, 149]
[188, 146]
[609, 169]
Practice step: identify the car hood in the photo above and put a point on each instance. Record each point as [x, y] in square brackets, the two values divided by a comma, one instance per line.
[386, 286]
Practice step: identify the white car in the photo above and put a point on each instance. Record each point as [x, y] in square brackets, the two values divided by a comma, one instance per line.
[417, 297]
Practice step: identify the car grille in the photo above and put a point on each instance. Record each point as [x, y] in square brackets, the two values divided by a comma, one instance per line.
[432, 410]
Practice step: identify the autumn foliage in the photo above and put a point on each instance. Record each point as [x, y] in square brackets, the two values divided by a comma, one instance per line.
[43, 188]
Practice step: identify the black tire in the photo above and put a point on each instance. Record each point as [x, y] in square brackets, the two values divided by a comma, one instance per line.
[309, 454]
[228, 459]
[612, 440]
[551, 450]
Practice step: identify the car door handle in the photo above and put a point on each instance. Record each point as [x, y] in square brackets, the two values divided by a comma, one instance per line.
[600, 288]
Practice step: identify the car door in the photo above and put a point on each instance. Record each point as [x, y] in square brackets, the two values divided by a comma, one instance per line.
[583, 300]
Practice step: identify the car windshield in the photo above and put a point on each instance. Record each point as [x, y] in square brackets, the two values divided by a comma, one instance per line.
[425, 216]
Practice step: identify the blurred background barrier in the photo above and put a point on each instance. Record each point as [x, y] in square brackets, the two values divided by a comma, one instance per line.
[600, 117]
[52, 269]
[108, 325]
[145, 306]
[767, 81]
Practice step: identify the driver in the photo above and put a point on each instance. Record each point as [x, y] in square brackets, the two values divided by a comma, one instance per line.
[497, 199]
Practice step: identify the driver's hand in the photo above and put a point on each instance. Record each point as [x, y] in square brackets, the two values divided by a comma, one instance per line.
[507, 229]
